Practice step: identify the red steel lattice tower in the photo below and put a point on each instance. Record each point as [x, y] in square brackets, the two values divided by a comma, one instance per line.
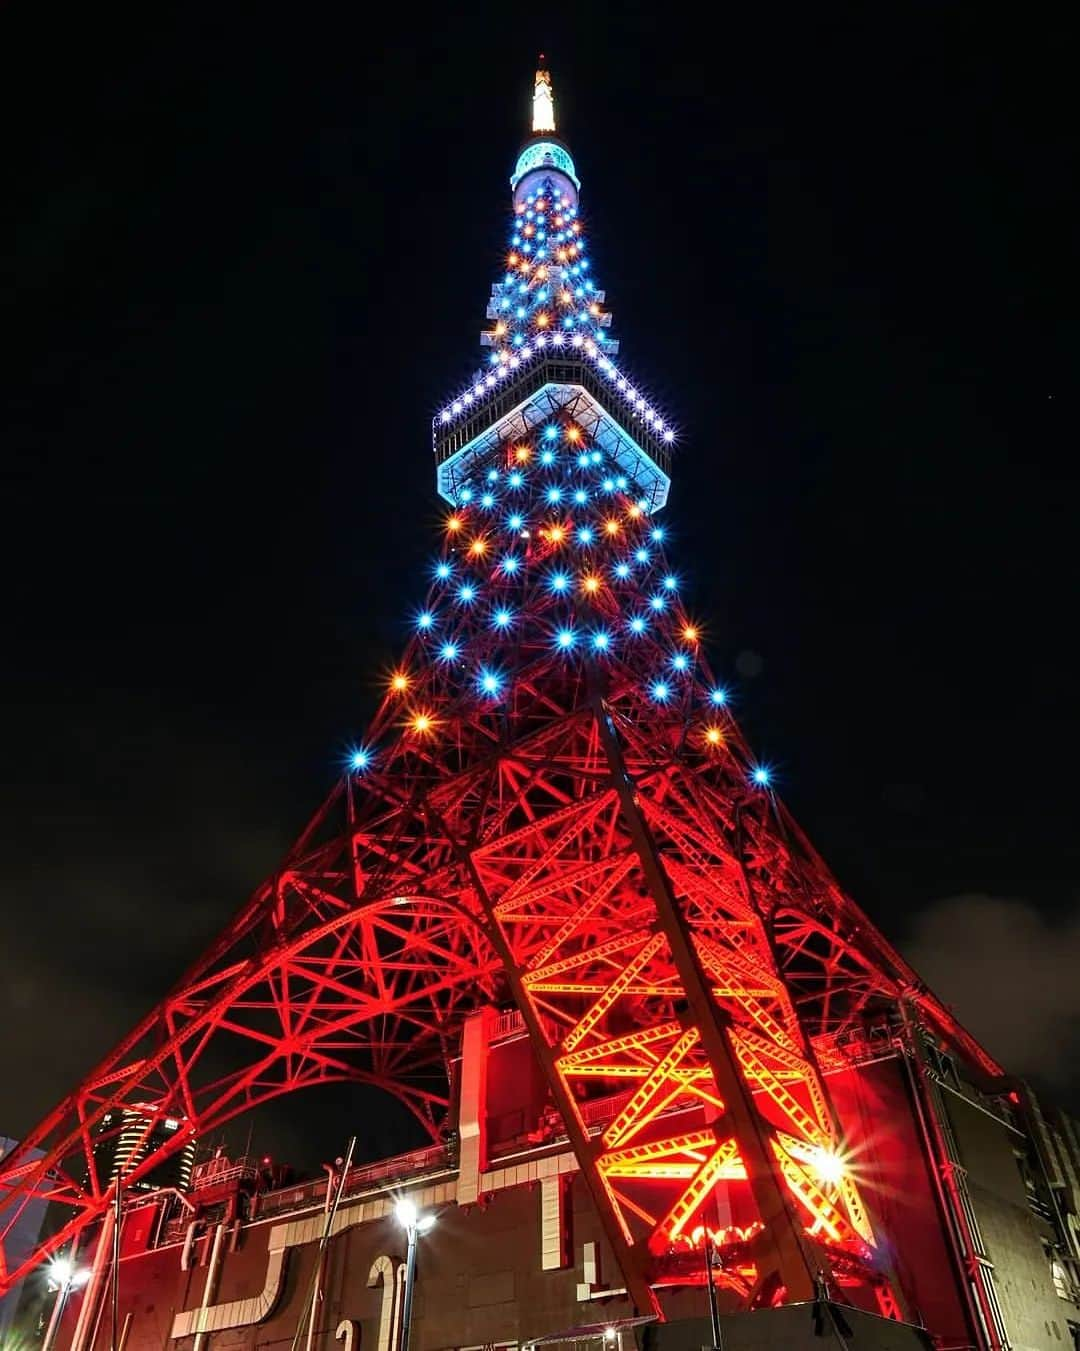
[553, 807]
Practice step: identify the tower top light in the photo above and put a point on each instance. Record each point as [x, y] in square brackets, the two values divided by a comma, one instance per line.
[543, 101]
[544, 156]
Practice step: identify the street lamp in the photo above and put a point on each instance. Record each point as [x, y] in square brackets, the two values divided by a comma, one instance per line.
[414, 1224]
[64, 1276]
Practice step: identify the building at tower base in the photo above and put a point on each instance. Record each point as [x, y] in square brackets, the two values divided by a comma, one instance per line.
[518, 1255]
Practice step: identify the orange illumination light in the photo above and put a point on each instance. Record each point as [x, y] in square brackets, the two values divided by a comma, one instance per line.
[478, 547]
[690, 633]
[591, 584]
[454, 523]
[542, 321]
[422, 723]
[565, 297]
[612, 527]
[500, 329]
[541, 272]
[556, 534]
[634, 512]
[521, 454]
[714, 736]
[513, 260]
[400, 682]
[529, 231]
[573, 434]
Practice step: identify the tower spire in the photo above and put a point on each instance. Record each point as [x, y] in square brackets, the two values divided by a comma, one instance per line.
[543, 118]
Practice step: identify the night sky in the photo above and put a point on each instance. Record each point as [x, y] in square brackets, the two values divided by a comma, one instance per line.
[246, 256]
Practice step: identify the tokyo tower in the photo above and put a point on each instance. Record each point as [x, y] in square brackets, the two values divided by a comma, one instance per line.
[552, 811]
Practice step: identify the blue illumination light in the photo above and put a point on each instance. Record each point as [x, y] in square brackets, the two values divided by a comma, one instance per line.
[559, 582]
[487, 500]
[658, 534]
[620, 482]
[425, 620]
[547, 457]
[601, 641]
[511, 563]
[608, 485]
[490, 682]
[360, 758]
[718, 696]
[761, 775]
[493, 475]
[595, 456]
[550, 433]
[565, 639]
[581, 497]
[670, 583]
[515, 480]
[585, 535]
[466, 494]
[680, 661]
[660, 692]
[554, 494]
[502, 619]
[515, 522]
[442, 571]
[583, 460]
[642, 556]
[622, 571]
[657, 602]
[448, 651]
[467, 594]
[637, 624]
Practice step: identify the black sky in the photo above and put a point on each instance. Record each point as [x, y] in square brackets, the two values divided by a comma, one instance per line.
[246, 255]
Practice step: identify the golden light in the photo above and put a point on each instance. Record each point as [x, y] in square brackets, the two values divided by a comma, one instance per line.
[478, 547]
[556, 534]
[529, 231]
[565, 297]
[521, 454]
[573, 434]
[561, 255]
[634, 512]
[594, 309]
[454, 523]
[558, 220]
[542, 320]
[500, 329]
[612, 527]
[591, 584]
[422, 723]
[576, 227]
[572, 250]
[400, 682]
[541, 272]
[714, 736]
[513, 260]
[690, 633]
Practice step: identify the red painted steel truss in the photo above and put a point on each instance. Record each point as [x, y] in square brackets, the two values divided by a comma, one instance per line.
[677, 949]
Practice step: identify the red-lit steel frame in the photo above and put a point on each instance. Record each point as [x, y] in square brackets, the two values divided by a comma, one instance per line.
[601, 859]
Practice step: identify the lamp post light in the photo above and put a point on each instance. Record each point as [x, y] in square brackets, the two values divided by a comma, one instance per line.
[414, 1224]
[64, 1276]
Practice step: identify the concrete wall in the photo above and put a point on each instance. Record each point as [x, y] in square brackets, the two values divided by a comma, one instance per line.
[1036, 1319]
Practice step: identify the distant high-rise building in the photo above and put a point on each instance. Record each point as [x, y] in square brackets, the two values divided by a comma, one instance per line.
[26, 1229]
[127, 1137]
